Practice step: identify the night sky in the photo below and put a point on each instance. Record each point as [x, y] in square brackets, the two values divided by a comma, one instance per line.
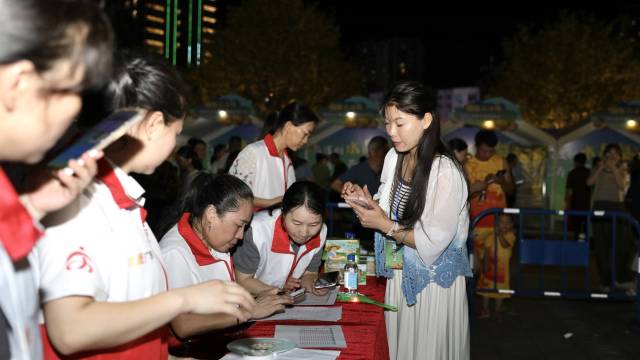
[462, 42]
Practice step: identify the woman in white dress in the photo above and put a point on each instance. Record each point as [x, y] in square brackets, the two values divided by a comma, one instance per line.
[422, 209]
[265, 165]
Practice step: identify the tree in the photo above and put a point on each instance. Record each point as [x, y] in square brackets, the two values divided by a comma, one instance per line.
[274, 52]
[568, 70]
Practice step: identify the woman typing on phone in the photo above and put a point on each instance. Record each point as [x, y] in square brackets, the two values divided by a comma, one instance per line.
[422, 205]
[216, 211]
[283, 248]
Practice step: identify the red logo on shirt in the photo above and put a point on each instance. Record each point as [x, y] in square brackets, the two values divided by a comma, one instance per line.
[79, 260]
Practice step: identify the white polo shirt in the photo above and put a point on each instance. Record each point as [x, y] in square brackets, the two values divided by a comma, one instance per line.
[278, 260]
[189, 261]
[101, 247]
[259, 166]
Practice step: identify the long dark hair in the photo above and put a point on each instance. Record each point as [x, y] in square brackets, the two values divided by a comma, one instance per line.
[413, 98]
[224, 192]
[47, 31]
[296, 113]
[148, 83]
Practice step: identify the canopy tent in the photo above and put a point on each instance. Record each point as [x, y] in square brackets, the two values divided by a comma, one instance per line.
[504, 116]
[216, 121]
[618, 124]
[346, 128]
[623, 118]
[531, 145]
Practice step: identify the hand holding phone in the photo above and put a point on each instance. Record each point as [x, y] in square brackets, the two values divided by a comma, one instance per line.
[99, 137]
[326, 280]
[359, 201]
[298, 295]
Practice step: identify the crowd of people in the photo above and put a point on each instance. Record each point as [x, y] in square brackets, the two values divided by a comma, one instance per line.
[136, 250]
[84, 275]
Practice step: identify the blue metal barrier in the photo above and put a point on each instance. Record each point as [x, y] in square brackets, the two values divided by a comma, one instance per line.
[542, 251]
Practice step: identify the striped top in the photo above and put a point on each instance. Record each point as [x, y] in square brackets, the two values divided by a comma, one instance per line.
[400, 197]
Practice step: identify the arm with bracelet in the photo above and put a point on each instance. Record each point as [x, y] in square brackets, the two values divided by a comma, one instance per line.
[401, 234]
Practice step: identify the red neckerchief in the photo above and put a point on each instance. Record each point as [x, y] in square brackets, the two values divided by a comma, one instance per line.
[198, 248]
[273, 151]
[107, 175]
[18, 232]
[281, 244]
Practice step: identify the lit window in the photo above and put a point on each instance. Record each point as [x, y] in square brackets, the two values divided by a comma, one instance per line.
[154, 31]
[154, 43]
[209, 19]
[156, 7]
[154, 19]
[208, 30]
[209, 8]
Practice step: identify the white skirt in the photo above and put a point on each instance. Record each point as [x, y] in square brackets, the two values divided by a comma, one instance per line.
[436, 327]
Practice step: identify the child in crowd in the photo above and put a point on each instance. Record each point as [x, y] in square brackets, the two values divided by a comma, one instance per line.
[495, 266]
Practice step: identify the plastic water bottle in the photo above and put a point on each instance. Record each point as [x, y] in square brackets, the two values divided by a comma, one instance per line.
[351, 274]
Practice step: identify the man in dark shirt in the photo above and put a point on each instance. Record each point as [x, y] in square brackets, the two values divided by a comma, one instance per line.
[366, 172]
[578, 193]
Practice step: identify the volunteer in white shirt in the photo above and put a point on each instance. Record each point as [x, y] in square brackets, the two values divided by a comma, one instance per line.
[102, 277]
[283, 248]
[49, 52]
[216, 211]
[264, 165]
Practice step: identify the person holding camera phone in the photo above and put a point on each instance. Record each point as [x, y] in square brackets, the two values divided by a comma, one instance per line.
[608, 180]
[490, 181]
[51, 51]
[283, 248]
[102, 277]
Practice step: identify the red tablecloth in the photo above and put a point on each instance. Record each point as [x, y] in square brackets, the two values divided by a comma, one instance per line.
[362, 325]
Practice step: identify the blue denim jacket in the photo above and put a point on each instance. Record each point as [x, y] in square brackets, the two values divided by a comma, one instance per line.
[416, 276]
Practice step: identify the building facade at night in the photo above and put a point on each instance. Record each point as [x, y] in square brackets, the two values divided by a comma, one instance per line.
[384, 62]
[178, 30]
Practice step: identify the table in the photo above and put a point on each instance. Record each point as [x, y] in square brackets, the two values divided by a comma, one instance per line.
[362, 324]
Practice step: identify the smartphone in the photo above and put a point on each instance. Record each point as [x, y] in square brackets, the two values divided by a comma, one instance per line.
[327, 279]
[99, 137]
[358, 201]
[298, 295]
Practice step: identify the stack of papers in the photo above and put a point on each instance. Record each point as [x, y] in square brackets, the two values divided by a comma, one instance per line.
[296, 354]
[312, 336]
